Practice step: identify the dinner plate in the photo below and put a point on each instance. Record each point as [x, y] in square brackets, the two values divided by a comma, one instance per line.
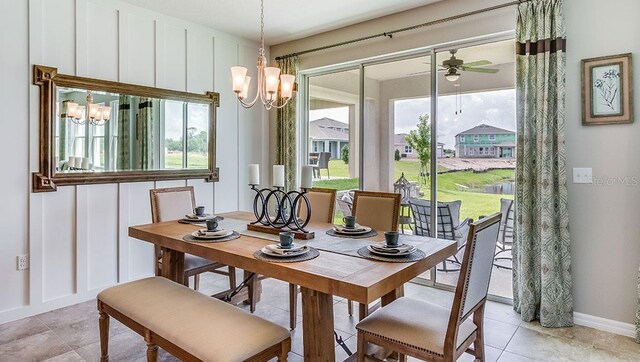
[385, 253]
[196, 234]
[196, 218]
[288, 254]
[292, 247]
[345, 231]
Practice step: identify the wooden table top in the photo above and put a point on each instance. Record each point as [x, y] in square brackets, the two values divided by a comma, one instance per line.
[351, 277]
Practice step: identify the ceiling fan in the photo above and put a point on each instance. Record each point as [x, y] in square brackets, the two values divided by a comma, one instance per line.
[453, 65]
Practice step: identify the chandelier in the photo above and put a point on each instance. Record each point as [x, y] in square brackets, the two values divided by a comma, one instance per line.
[268, 83]
[98, 114]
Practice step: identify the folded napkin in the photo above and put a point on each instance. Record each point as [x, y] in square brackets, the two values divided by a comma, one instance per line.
[402, 248]
[357, 228]
[278, 250]
[201, 218]
[219, 233]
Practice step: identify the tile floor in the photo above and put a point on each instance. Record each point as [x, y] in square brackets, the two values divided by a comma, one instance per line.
[71, 333]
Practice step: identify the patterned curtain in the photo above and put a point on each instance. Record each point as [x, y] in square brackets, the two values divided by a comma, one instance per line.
[62, 133]
[286, 129]
[542, 249]
[123, 158]
[144, 134]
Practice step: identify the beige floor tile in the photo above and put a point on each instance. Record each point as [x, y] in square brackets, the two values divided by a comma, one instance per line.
[616, 343]
[502, 312]
[79, 333]
[37, 347]
[21, 328]
[498, 334]
[612, 355]
[533, 344]
[123, 347]
[512, 357]
[71, 356]
[70, 314]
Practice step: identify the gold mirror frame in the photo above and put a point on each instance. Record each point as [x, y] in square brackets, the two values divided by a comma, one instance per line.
[46, 179]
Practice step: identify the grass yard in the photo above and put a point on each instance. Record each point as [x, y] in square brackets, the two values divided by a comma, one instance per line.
[451, 185]
[194, 160]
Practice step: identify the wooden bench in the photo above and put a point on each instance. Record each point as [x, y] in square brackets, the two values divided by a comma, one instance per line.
[189, 325]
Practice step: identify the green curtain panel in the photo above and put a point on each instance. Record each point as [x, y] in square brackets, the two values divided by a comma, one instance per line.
[144, 134]
[542, 249]
[638, 311]
[62, 133]
[123, 157]
[286, 129]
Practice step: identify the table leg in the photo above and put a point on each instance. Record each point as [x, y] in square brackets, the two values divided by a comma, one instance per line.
[173, 265]
[317, 325]
[392, 295]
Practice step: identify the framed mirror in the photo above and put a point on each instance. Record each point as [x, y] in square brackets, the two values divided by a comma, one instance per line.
[96, 131]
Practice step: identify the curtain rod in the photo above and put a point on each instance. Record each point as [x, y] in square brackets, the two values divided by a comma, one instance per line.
[390, 33]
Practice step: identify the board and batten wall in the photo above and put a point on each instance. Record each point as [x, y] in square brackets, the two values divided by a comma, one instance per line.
[605, 234]
[77, 236]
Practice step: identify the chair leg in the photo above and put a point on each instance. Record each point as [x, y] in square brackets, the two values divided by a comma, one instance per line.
[232, 277]
[253, 286]
[362, 347]
[196, 282]
[293, 306]
[478, 344]
[103, 321]
[152, 352]
[363, 311]
[350, 307]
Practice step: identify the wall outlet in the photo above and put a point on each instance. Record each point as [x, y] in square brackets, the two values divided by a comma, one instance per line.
[582, 175]
[23, 262]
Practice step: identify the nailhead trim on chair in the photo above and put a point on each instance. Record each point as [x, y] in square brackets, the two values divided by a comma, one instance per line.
[402, 343]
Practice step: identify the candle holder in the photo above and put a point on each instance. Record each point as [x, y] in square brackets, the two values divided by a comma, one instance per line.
[286, 205]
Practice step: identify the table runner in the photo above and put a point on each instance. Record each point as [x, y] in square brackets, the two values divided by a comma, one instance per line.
[322, 241]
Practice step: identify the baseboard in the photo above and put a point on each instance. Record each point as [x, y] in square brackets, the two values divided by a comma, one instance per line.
[603, 324]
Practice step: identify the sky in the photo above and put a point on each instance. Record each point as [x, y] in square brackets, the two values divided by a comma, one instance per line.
[495, 108]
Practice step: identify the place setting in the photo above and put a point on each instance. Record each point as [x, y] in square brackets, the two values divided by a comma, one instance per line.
[199, 217]
[287, 250]
[211, 234]
[351, 229]
[392, 250]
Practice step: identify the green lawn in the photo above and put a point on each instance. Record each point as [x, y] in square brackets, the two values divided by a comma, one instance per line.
[194, 160]
[451, 185]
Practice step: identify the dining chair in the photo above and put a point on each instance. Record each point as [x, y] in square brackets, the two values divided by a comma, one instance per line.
[430, 332]
[323, 207]
[449, 225]
[174, 203]
[379, 211]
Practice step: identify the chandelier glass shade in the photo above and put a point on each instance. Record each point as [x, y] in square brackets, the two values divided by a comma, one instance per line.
[271, 84]
[95, 114]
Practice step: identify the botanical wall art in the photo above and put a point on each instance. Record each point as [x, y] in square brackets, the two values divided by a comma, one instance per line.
[607, 86]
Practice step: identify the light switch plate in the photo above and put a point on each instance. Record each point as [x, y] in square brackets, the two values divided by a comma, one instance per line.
[582, 175]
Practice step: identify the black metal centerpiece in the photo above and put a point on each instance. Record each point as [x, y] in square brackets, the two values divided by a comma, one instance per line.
[285, 208]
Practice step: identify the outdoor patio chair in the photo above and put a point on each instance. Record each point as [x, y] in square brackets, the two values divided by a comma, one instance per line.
[449, 225]
[505, 236]
[323, 164]
[345, 203]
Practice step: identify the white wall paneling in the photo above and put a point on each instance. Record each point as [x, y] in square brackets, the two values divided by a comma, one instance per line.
[77, 236]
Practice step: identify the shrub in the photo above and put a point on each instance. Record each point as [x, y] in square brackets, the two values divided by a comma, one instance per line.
[396, 155]
[344, 154]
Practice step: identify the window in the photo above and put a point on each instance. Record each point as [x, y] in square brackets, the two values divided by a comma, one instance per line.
[462, 138]
[481, 152]
[476, 138]
[471, 151]
[492, 151]
[492, 137]
[408, 149]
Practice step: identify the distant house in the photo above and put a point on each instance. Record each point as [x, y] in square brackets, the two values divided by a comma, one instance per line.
[400, 143]
[328, 135]
[484, 141]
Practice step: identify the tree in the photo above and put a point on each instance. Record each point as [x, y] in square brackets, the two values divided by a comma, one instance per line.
[396, 155]
[344, 154]
[420, 141]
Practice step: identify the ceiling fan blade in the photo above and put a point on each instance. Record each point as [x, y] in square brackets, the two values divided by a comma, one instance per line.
[481, 70]
[476, 63]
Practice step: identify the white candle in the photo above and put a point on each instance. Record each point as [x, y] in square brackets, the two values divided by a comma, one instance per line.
[307, 177]
[254, 174]
[278, 175]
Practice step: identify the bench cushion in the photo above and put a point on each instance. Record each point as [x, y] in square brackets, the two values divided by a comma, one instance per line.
[207, 328]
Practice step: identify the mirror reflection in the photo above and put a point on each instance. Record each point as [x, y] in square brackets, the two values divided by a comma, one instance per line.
[99, 131]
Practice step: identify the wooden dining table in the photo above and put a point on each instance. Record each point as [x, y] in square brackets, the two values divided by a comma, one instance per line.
[330, 274]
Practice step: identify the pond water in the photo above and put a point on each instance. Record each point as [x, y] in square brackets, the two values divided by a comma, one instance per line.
[502, 188]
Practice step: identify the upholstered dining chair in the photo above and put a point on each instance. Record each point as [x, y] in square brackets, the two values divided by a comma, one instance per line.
[174, 203]
[449, 225]
[377, 210]
[323, 207]
[429, 332]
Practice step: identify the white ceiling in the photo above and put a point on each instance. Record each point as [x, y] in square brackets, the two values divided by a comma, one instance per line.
[285, 20]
